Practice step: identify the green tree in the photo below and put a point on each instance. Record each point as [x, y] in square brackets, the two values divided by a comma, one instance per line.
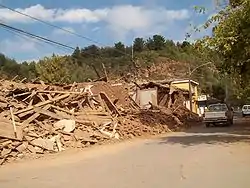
[76, 56]
[28, 70]
[54, 69]
[150, 44]
[119, 49]
[231, 39]
[91, 51]
[159, 42]
[156, 43]
[138, 44]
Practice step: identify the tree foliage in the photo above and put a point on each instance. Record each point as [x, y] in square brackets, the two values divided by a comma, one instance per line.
[54, 69]
[139, 44]
[231, 39]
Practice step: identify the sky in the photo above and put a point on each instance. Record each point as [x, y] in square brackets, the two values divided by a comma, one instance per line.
[102, 21]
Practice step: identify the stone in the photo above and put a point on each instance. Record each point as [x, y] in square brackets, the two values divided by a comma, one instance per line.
[22, 147]
[38, 150]
[66, 125]
[43, 143]
[57, 140]
[29, 138]
[31, 149]
[66, 137]
[81, 135]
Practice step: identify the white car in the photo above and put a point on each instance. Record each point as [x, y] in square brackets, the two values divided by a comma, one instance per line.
[246, 110]
[218, 114]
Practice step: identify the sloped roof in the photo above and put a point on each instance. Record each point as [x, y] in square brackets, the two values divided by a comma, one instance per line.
[184, 81]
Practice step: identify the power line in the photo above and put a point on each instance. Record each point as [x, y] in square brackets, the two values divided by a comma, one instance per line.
[21, 34]
[36, 40]
[36, 36]
[49, 24]
[57, 27]
[33, 39]
[32, 36]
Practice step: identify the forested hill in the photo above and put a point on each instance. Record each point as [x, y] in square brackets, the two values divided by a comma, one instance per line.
[153, 58]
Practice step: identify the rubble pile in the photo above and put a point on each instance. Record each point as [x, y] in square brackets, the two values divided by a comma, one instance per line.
[37, 118]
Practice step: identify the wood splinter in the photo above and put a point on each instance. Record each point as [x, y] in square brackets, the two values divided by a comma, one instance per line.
[13, 122]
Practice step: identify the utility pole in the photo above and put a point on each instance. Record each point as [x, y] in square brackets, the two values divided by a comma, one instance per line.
[132, 50]
[190, 89]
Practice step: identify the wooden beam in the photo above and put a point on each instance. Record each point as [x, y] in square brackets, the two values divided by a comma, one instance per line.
[41, 97]
[105, 71]
[30, 96]
[164, 100]
[109, 103]
[21, 94]
[34, 116]
[63, 110]
[50, 114]
[6, 131]
[42, 104]
[63, 92]
[13, 122]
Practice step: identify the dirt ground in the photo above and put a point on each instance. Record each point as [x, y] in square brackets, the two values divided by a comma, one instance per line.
[199, 157]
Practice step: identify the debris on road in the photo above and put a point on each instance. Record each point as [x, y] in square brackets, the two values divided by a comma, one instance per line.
[38, 118]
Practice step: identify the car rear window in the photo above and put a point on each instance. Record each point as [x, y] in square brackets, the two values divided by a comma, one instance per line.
[246, 107]
[217, 107]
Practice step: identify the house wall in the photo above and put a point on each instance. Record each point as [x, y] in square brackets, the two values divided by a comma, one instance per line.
[145, 96]
[194, 89]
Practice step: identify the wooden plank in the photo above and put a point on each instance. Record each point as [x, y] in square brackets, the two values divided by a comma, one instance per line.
[73, 85]
[14, 78]
[164, 100]
[58, 117]
[30, 96]
[31, 102]
[96, 113]
[49, 96]
[34, 116]
[6, 131]
[42, 104]
[105, 72]
[101, 102]
[64, 92]
[90, 102]
[134, 103]
[42, 83]
[13, 122]
[63, 110]
[22, 94]
[41, 97]
[51, 114]
[23, 80]
[109, 103]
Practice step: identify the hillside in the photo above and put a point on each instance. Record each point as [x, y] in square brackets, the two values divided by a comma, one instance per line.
[153, 58]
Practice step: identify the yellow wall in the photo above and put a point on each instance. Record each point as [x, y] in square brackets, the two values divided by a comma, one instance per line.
[194, 89]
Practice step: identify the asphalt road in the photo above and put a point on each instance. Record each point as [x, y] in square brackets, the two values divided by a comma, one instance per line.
[199, 157]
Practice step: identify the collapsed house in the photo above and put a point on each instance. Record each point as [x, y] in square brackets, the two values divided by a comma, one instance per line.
[38, 118]
[163, 94]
